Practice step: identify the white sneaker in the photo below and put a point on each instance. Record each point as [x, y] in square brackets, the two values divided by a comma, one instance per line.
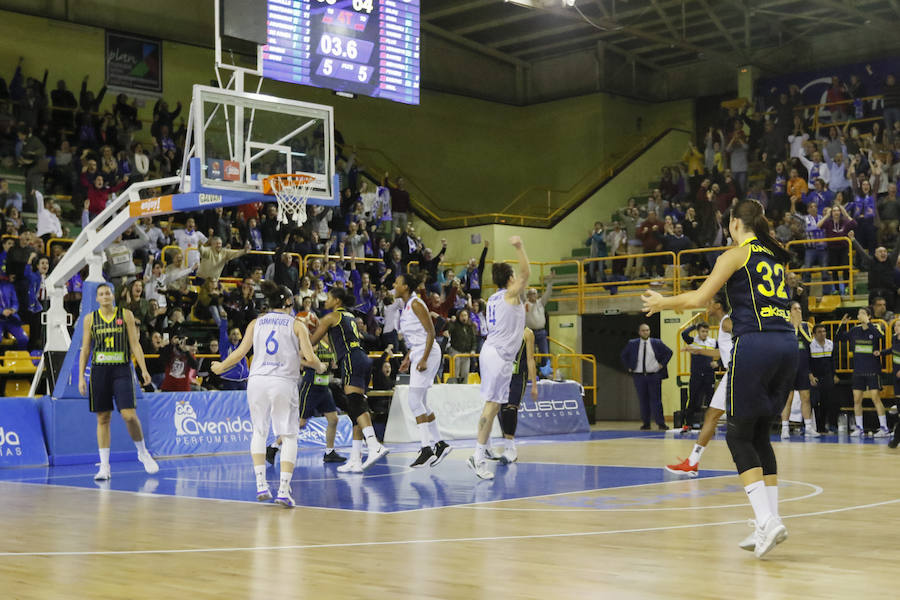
[263, 493]
[858, 433]
[285, 499]
[103, 474]
[149, 464]
[785, 433]
[480, 469]
[767, 537]
[489, 454]
[351, 466]
[373, 457]
[508, 457]
[882, 433]
[811, 433]
[749, 542]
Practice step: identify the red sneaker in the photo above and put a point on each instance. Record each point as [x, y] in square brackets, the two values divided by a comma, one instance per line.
[683, 468]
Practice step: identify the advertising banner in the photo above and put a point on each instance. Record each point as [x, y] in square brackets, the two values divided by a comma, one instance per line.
[133, 62]
[21, 436]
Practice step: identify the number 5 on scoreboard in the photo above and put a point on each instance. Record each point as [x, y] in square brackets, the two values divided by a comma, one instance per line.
[328, 66]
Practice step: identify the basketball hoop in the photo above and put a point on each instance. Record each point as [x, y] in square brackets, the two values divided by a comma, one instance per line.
[291, 190]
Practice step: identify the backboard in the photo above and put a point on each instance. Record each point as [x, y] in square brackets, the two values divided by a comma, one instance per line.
[240, 138]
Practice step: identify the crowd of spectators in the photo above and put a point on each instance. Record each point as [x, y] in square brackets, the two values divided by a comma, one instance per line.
[820, 173]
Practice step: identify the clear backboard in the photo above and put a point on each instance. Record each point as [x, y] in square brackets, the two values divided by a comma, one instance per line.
[240, 138]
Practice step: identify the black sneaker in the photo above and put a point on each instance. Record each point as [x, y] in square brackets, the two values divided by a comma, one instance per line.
[425, 455]
[441, 450]
[271, 451]
[334, 457]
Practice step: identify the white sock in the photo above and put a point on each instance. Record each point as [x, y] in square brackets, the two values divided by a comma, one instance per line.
[329, 449]
[859, 424]
[696, 453]
[104, 457]
[882, 420]
[424, 434]
[285, 481]
[141, 447]
[772, 493]
[356, 451]
[509, 444]
[785, 424]
[759, 500]
[435, 432]
[479, 453]
[809, 424]
[260, 476]
[371, 440]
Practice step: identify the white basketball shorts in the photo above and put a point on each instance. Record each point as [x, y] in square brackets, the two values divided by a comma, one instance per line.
[718, 399]
[495, 373]
[276, 401]
[424, 379]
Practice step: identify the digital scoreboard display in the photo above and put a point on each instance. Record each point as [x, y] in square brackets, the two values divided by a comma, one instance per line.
[367, 47]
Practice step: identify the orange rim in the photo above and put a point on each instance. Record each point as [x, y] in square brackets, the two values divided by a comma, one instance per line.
[273, 183]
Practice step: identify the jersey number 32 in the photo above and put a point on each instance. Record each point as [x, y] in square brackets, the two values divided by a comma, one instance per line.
[773, 280]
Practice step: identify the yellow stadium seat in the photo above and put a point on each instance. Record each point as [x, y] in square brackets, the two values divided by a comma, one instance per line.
[16, 387]
[474, 378]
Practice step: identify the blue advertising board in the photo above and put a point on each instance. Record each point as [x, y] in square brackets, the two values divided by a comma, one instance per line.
[558, 409]
[21, 435]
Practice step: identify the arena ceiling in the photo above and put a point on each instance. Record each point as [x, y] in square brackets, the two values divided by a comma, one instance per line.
[657, 34]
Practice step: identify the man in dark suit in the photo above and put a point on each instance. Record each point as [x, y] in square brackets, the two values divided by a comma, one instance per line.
[646, 359]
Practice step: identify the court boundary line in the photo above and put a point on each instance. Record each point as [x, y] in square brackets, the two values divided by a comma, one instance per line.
[433, 540]
[817, 491]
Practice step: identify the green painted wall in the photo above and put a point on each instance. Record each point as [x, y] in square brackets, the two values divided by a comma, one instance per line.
[460, 154]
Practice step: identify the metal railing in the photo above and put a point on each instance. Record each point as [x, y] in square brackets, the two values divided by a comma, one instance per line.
[826, 272]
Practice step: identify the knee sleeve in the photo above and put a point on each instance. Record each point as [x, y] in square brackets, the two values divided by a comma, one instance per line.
[740, 439]
[356, 406]
[416, 401]
[289, 449]
[762, 443]
[257, 443]
[509, 419]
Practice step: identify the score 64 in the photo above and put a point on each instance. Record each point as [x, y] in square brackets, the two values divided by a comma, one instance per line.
[358, 5]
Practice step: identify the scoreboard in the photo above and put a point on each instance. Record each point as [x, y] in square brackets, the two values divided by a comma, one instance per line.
[367, 47]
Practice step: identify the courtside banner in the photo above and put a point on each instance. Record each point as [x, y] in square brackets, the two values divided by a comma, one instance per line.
[21, 435]
[184, 423]
[558, 409]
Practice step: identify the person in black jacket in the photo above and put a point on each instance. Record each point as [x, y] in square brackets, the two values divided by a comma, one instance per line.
[471, 277]
[823, 380]
[880, 267]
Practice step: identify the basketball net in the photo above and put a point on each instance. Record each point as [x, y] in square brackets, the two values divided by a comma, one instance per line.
[291, 191]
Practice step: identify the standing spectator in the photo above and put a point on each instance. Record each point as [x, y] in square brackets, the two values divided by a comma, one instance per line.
[64, 100]
[10, 321]
[120, 255]
[189, 240]
[738, 148]
[815, 253]
[536, 320]
[651, 233]
[38, 300]
[815, 168]
[462, 341]
[645, 359]
[31, 155]
[863, 207]
[48, 214]
[824, 381]
[617, 245]
[180, 363]
[597, 244]
[880, 266]
[703, 376]
[400, 202]
[837, 223]
[891, 93]
[8, 198]
[213, 258]
[430, 264]
[98, 193]
[470, 277]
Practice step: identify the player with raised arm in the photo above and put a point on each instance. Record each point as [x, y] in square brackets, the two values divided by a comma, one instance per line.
[509, 412]
[505, 324]
[423, 361]
[763, 359]
[717, 310]
[355, 366]
[112, 334]
[278, 341]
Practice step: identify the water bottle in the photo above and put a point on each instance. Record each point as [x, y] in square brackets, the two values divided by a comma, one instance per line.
[843, 424]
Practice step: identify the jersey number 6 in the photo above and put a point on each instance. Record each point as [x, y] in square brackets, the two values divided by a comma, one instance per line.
[271, 343]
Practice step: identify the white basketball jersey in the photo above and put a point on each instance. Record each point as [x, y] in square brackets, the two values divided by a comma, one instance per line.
[276, 349]
[505, 325]
[413, 332]
[723, 340]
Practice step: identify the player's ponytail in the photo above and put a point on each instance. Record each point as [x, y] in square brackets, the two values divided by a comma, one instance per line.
[752, 215]
[278, 296]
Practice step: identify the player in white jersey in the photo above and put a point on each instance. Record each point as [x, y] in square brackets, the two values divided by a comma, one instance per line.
[722, 353]
[423, 361]
[277, 339]
[505, 324]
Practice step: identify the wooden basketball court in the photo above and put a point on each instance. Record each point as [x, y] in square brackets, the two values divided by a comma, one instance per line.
[669, 538]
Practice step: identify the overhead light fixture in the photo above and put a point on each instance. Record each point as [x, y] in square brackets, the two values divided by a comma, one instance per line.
[541, 3]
